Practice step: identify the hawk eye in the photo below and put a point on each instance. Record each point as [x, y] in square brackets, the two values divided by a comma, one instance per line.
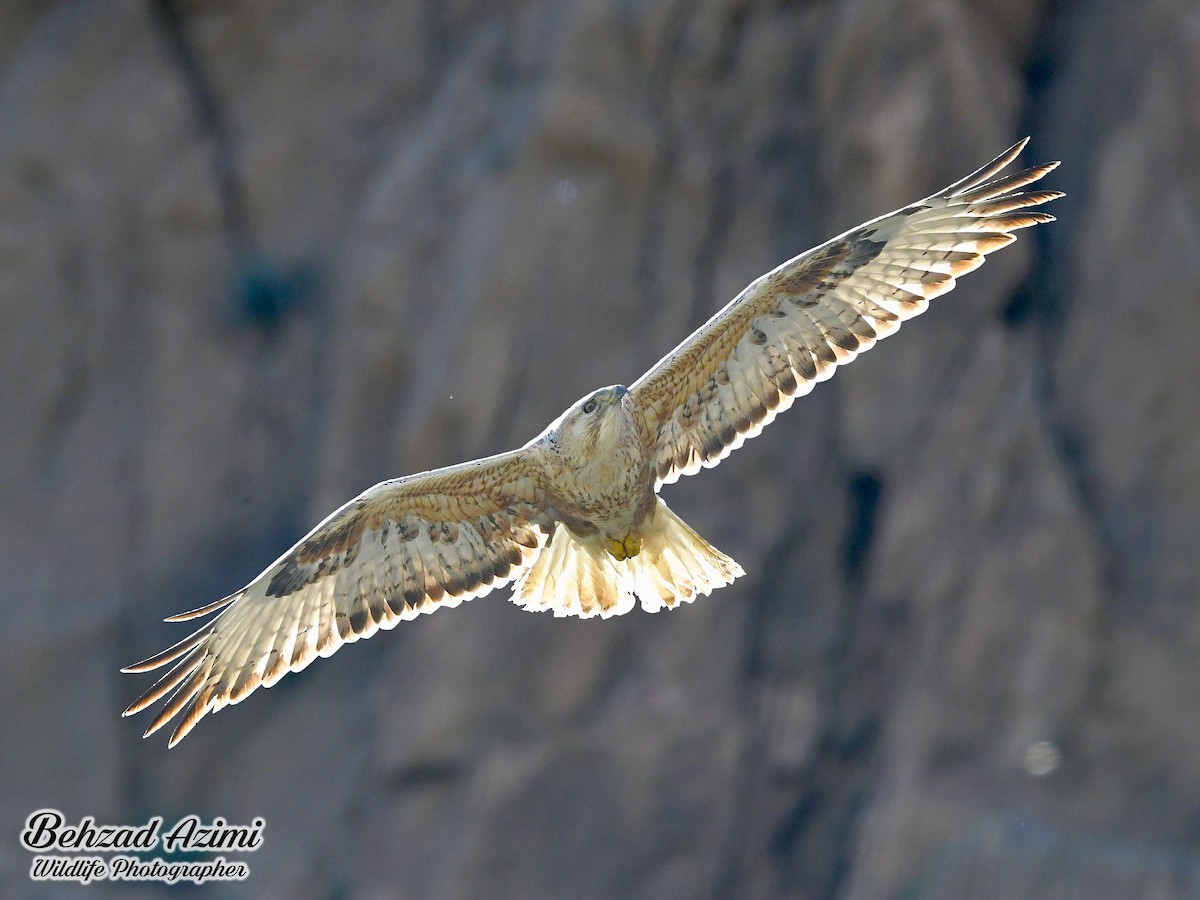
[590, 406]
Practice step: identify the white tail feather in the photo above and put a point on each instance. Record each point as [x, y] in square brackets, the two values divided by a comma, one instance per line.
[577, 576]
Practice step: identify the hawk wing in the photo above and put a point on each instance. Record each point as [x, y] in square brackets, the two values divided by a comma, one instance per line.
[400, 549]
[793, 326]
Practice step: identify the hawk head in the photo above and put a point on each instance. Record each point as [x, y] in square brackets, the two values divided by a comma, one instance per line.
[597, 424]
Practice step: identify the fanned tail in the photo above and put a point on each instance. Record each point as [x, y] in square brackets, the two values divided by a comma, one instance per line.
[676, 565]
[577, 576]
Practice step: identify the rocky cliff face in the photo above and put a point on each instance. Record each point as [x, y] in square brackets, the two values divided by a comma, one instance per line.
[257, 257]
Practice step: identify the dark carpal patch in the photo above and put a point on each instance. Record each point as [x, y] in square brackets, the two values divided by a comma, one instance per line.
[337, 538]
[290, 578]
[830, 266]
[295, 574]
[809, 275]
[325, 553]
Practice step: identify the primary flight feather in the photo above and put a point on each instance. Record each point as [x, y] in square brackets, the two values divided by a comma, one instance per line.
[573, 518]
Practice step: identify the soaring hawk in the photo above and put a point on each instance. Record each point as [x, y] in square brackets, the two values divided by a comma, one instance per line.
[573, 518]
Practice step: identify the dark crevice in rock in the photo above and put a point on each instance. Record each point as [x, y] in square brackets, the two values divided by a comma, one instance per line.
[208, 110]
[1042, 304]
[262, 293]
[657, 76]
[1071, 450]
[825, 819]
[495, 141]
[70, 401]
[754, 781]
[811, 842]
[864, 492]
[431, 773]
[812, 839]
[512, 390]
[807, 820]
[723, 185]
[1021, 308]
[723, 191]
[775, 562]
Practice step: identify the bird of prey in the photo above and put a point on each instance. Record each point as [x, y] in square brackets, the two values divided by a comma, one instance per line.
[573, 518]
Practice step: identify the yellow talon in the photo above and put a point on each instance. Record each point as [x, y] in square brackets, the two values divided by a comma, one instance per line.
[628, 547]
[633, 544]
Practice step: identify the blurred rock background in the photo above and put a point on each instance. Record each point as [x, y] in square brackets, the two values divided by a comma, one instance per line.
[256, 256]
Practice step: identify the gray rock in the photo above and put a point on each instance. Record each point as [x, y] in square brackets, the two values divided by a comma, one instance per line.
[964, 660]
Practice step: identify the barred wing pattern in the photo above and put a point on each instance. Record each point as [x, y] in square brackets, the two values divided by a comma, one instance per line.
[401, 548]
[793, 326]
[412, 545]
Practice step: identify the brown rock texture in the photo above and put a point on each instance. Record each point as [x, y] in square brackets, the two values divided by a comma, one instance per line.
[255, 257]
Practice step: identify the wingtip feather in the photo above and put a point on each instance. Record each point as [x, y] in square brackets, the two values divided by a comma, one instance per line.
[988, 171]
[197, 710]
[172, 653]
[203, 610]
